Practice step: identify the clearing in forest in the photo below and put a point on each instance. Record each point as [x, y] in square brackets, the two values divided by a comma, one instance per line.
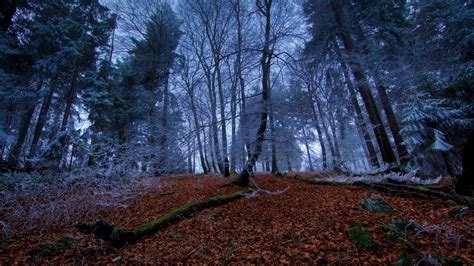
[306, 223]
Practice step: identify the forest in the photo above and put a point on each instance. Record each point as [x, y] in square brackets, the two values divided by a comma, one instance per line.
[237, 132]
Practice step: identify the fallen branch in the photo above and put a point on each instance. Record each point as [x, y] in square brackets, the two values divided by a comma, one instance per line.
[120, 237]
[258, 190]
[397, 189]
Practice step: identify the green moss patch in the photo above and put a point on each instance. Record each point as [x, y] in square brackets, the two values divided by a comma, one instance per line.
[360, 237]
[119, 237]
[56, 247]
[376, 204]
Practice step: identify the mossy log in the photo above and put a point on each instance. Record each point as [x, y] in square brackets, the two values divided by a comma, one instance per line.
[120, 237]
[397, 189]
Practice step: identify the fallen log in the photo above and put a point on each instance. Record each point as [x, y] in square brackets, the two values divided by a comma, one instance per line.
[397, 189]
[119, 237]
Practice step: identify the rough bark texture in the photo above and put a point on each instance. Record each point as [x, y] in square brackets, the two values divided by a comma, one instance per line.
[360, 120]
[369, 102]
[120, 237]
[393, 124]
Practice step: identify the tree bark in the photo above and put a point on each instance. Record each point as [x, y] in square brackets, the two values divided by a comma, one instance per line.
[42, 117]
[392, 123]
[273, 140]
[318, 130]
[265, 62]
[14, 155]
[70, 96]
[388, 155]
[359, 116]
[308, 152]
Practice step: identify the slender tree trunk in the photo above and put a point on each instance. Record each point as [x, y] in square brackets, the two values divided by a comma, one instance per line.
[215, 136]
[205, 145]
[392, 123]
[70, 97]
[318, 130]
[332, 125]
[14, 155]
[225, 157]
[212, 150]
[379, 129]
[7, 127]
[42, 117]
[360, 121]
[273, 142]
[265, 62]
[326, 132]
[308, 152]
[164, 126]
[198, 129]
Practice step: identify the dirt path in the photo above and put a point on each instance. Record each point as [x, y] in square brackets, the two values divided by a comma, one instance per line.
[308, 223]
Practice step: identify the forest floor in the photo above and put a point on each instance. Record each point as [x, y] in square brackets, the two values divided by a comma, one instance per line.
[308, 223]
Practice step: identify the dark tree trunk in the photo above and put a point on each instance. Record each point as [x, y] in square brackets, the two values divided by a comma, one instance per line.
[393, 124]
[359, 116]
[42, 117]
[465, 183]
[70, 96]
[374, 115]
[265, 62]
[14, 155]
[225, 157]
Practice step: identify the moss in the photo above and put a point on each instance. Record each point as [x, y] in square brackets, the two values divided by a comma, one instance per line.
[53, 248]
[318, 181]
[120, 237]
[376, 204]
[360, 237]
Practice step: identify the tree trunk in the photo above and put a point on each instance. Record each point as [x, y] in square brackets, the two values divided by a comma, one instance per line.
[42, 117]
[465, 183]
[318, 130]
[225, 157]
[273, 142]
[265, 62]
[359, 116]
[308, 152]
[379, 129]
[393, 123]
[198, 129]
[233, 111]
[14, 155]
[70, 97]
[164, 125]
[326, 132]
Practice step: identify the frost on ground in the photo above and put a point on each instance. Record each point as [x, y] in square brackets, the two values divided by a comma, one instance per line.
[33, 201]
